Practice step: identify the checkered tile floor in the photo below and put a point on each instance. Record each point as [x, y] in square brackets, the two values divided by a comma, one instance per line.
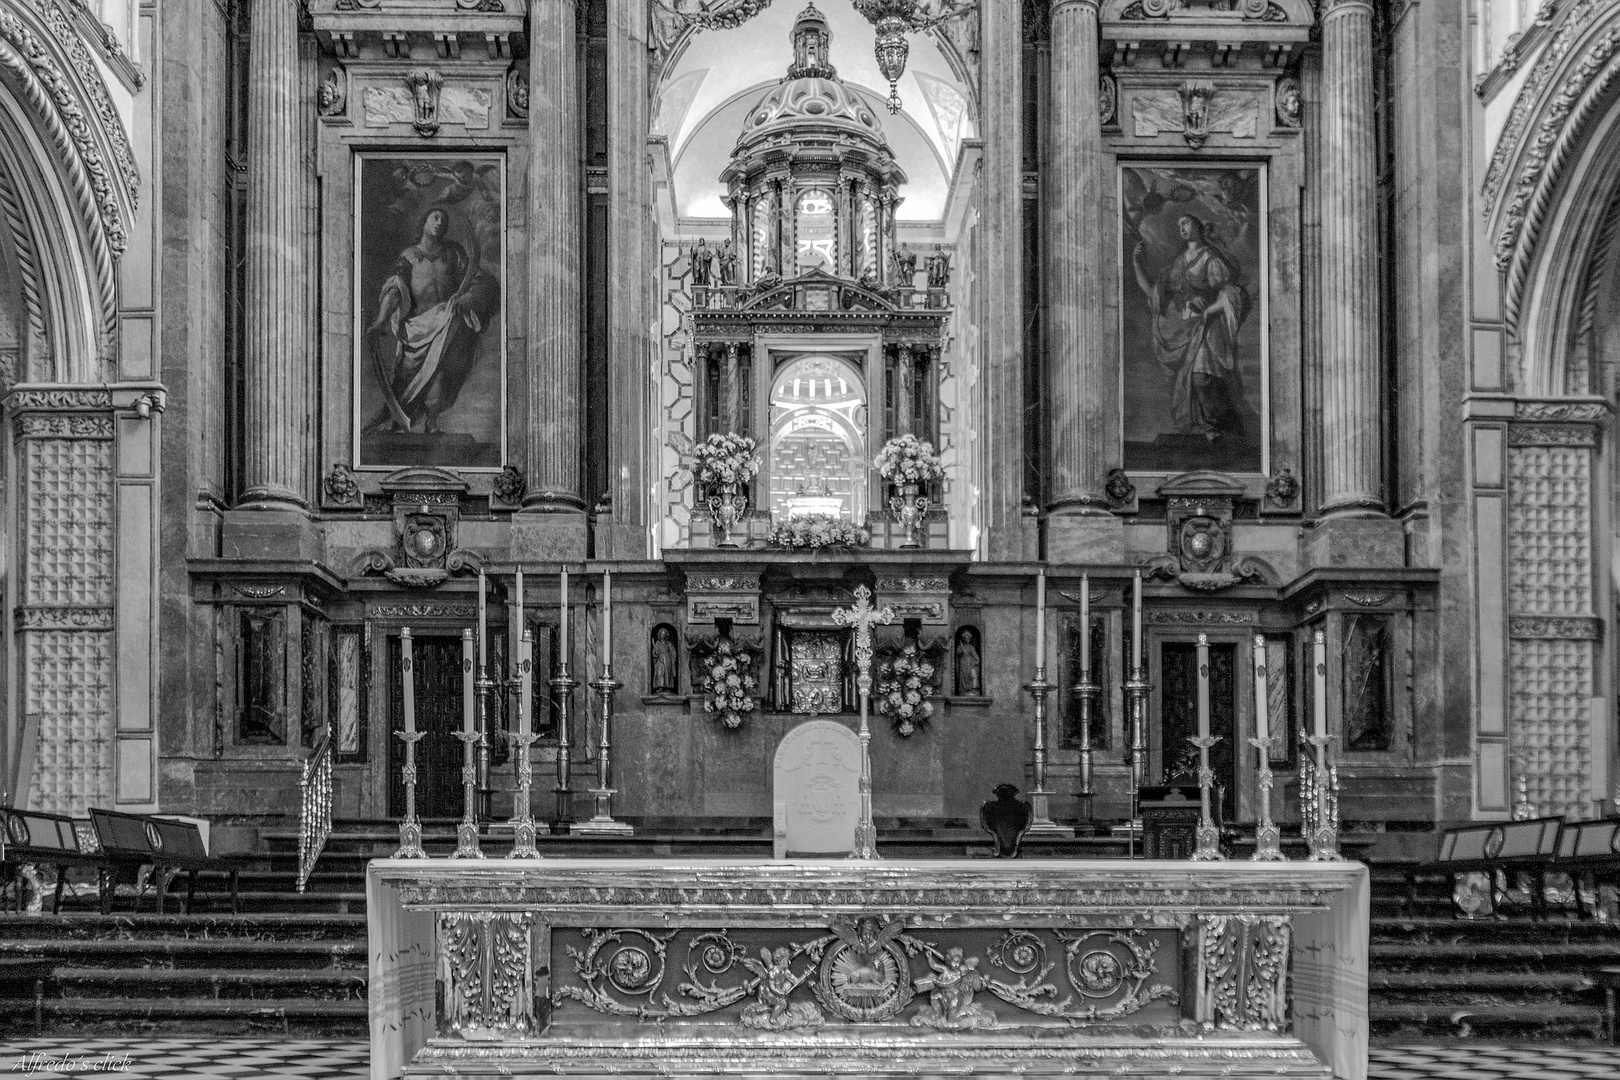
[185, 1059]
[1482, 1061]
[316, 1059]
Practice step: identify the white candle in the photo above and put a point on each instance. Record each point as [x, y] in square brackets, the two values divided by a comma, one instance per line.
[1136, 620]
[520, 599]
[562, 644]
[1085, 625]
[1040, 620]
[525, 681]
[408, 675]
[483, 624]
[607, 619]
[1203, 686]
[1320, 666]
[467, 720]
[1262, 692]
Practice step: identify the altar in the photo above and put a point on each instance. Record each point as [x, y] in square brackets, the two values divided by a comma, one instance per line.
[486, 968]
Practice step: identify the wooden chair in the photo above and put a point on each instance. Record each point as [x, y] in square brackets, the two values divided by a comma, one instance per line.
[29, 836]
[166, 845]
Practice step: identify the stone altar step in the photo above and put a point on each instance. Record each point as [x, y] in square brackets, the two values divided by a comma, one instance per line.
[175, 983]
[1467, 1016]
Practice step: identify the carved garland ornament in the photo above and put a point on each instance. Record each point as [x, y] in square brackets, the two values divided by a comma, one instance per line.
[1544, 160]
[55, 101]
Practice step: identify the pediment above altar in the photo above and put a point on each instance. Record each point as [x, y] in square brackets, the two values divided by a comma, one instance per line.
[1223, 34]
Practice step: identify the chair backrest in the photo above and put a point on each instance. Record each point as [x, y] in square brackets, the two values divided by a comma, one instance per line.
[1466, 844]
[125, 834]
[179, 839]
[40, 831]
[1590, 839]
[1532, 839]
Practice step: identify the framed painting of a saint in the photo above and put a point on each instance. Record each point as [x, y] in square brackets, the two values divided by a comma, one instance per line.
[430, 292]
[1193, 319]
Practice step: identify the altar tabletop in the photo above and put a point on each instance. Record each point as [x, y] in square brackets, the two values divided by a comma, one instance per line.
[585, 967]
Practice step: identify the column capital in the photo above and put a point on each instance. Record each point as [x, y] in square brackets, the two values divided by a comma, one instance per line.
[1061, 5]
[1329, 8]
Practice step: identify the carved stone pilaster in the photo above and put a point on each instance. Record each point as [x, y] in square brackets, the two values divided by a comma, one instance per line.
[276, 339]
[1352, 429]
[65, 594]
[1242, 964]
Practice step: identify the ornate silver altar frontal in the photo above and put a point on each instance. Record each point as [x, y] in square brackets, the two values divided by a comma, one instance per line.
[897, 969]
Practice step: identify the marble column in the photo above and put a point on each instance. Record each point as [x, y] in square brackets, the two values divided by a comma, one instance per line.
[999, 282]
[731, 390]
[1351, 407]
[1081, 377]
[905, 390]
[276, 355]
[555, 257]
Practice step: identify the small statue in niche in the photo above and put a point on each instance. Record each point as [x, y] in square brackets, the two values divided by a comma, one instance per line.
[665, 664]
[727, 259]
[939, 268]
[702, 264]
[969, 680]
[905, 267]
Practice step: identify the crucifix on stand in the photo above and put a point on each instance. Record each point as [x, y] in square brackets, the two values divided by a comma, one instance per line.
[861, 617]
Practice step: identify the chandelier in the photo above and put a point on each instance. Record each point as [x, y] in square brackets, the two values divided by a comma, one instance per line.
[893, 20]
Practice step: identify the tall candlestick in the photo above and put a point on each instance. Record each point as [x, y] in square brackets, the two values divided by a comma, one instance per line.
[522, 818]
[483, 624]
[1262, 693]
[1319, 668]
[1209, 836]
[607, 620]
[406, 664]
[410, 829]
[1136, 622]
[1203, 686]
[467, 691]
[562, 630]
[1085, 624]
[519, 600]
[1040, 622]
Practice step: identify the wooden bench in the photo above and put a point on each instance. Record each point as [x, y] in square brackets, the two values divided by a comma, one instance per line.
[30, 836]
[1530, 847]
[166, 845]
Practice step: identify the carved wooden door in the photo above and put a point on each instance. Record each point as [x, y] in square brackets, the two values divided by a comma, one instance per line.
[439, 717]
[1177, 759]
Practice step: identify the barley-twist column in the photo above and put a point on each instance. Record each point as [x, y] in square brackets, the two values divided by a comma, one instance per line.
[1081, 375]
[554, 258]
[276, 355]
[1351, 411]
[731, 390]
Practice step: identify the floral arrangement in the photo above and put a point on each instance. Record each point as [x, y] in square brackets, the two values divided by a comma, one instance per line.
[906, 459]
[905, 682]
[818, 531]
[729, 684]
[725, 459]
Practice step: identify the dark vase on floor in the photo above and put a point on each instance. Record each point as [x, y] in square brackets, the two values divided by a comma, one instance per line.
[1006, 819]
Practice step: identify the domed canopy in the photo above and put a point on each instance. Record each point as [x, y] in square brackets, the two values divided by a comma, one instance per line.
[812, 101]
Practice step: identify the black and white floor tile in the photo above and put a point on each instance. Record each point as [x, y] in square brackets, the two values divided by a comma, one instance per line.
[316, 1059]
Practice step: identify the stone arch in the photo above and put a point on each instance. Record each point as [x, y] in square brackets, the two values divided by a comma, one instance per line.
[68, 191]
[1548, 192]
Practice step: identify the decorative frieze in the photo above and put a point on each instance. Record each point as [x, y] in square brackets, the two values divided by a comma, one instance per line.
[1556, 627]
[65, 617]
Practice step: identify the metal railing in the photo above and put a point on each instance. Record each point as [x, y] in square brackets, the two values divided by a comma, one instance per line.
[314, 807]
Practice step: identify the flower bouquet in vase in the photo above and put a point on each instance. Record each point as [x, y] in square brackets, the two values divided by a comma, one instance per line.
[729, 683]
[905, 684]
[908, 463]
[724, 464]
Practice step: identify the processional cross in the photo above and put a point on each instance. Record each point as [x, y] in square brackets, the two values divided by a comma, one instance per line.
[861, 617]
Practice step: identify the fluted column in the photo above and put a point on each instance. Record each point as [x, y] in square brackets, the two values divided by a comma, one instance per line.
[1081, 377]
[554, 258]
[276, 345]
[1351, 408]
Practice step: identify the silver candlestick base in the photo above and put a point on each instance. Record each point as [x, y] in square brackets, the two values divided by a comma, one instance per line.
[1319, 801]
[602, 823]
[467, 832]
[1040, 797]
[410, 830]
[1208, 836]
[522, 818]
[1267, 837]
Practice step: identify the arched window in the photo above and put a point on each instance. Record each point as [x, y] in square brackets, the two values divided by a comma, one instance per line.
[817, 461]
